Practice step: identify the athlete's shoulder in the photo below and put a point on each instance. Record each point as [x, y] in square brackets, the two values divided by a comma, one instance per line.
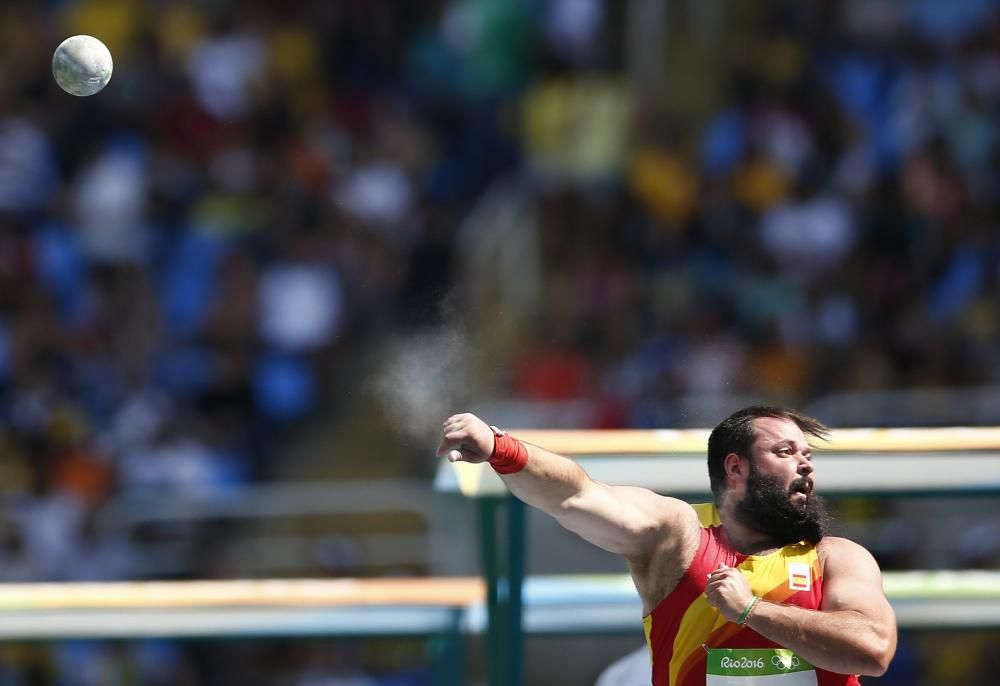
[842, 551]
[837, 544]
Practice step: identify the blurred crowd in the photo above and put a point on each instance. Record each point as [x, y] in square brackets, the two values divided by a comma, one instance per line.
[829, 226]
[193, 261]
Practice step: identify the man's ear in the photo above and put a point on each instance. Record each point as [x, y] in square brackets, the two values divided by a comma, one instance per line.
[736, 466]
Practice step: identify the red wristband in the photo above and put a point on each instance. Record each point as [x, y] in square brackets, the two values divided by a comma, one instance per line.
[509, 454]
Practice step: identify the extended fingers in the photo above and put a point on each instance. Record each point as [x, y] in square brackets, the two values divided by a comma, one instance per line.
[463, 438]
[453, 432]
[452, 423]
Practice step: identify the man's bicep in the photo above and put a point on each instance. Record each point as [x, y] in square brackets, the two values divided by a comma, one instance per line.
[628, 520]
[669, 513]
[852, 581]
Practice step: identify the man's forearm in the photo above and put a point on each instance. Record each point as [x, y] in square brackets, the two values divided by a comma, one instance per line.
[843, 641]
[547, 481]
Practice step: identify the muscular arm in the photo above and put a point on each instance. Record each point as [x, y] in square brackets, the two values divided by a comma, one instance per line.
[629, 521]
[626, 520]
[854, 632]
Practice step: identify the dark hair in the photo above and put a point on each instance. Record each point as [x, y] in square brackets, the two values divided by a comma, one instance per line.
[735, 434]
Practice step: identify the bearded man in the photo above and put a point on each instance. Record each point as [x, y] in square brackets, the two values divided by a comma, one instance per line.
[748, 586]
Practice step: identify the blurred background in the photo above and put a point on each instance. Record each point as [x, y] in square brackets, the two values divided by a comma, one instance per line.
[289, 238]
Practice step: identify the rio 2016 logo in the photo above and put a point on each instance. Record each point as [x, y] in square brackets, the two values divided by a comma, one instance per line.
[785, 663]
[742, 663]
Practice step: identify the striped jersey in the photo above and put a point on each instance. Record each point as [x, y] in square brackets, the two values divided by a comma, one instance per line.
[684, 622]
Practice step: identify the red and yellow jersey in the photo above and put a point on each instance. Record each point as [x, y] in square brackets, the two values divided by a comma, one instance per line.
[684, 622]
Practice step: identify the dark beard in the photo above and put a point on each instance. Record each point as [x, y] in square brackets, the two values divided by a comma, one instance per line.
[767, 507]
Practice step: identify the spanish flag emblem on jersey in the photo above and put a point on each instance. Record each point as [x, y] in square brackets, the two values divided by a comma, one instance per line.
[799, 576]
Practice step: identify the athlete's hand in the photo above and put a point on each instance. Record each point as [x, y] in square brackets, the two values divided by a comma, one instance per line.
[728, 590]
[466, 438]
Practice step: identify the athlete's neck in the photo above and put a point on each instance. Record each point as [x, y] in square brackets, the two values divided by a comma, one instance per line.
[742, 538]
[753, 543]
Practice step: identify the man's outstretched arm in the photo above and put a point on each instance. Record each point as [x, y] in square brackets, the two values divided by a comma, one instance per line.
[628, 521]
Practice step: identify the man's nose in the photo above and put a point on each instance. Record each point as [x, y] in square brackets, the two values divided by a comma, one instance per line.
[805, 467]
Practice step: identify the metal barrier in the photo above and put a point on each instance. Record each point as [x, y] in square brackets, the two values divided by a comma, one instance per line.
[445, 610]
[279, 529]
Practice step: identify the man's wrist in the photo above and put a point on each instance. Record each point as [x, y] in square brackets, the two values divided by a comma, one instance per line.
[509, 454]
[748, 610]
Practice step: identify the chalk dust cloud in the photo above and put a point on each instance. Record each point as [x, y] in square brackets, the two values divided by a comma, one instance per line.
[423, 378]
